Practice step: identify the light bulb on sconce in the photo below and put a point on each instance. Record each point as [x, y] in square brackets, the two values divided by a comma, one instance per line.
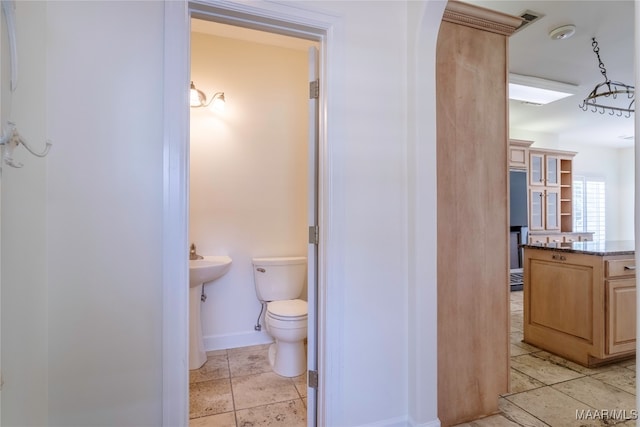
[198, 99]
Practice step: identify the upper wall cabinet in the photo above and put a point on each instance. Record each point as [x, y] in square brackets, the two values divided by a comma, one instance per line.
[544, 169]
[551, 191]
[519, 154]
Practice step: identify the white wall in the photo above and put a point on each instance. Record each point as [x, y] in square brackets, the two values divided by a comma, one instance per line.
[615, 165]
[248, 183]
[368, 140]
[103, 237]
[24, 257]
[104, 101]
[423, 21]
[626, 191]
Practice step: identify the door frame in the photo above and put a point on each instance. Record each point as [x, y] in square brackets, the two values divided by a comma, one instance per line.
[272, 17]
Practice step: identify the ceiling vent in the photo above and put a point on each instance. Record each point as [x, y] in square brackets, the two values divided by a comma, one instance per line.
[529, 17]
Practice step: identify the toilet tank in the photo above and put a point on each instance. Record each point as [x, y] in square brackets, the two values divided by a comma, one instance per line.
[279, 278]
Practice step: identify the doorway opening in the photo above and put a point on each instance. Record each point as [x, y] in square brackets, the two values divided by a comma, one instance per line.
[272, 18]
[252, 194]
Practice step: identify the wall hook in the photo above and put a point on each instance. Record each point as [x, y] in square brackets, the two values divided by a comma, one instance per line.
[11, 139]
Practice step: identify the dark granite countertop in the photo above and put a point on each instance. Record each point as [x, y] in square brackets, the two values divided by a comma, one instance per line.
[601, 248]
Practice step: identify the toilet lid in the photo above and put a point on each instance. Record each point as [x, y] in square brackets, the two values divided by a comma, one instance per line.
[287, 308]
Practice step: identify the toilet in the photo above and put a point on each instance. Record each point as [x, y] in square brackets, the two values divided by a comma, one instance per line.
[279, 283]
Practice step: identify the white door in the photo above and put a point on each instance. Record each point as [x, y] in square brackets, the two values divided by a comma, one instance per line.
[312, 253]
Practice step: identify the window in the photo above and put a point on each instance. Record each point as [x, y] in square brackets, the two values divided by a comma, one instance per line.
[588, 206]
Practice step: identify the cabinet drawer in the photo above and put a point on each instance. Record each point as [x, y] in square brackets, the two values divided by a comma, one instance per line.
[556, 238]
[620, 267]
[538, 238]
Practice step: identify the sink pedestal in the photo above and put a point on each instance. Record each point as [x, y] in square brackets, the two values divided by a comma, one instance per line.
[197, 355]
[202, 270]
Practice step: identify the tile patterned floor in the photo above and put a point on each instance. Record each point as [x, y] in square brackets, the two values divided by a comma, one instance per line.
[547, 390]
[237, 388]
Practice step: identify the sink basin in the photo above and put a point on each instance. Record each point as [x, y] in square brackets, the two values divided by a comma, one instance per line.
[208, 269]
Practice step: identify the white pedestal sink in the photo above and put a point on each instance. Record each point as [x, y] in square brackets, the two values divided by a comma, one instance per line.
[201, 271]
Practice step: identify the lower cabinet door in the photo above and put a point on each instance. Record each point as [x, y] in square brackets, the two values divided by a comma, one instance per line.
[621, 315]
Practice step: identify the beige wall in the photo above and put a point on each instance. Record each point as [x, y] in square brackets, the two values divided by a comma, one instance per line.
[248, 166]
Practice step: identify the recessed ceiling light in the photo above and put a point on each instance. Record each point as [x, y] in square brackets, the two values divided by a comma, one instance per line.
[563, 32]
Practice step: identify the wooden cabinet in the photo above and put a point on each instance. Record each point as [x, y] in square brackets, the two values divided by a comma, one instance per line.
[621, 319]
[550, 194]
[620, 305]
[566, 193]
[544, 211]
[576, 237]
[519, 154]
[472, 169]
[543, 169]
[558, 237]
[580, 306]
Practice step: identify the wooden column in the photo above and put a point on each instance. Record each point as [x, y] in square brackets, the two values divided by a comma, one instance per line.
[472, 156]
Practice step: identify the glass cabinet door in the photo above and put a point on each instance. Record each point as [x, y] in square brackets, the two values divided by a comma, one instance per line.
[552, 210]
[535, 222]
[536, 169]
[552, 170]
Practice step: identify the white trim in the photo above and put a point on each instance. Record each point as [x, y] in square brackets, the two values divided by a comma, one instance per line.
[637, 192]
[422, 222]
[244, 339]
[282, 18]
[433, 423]
[175, 274]
[402, 422]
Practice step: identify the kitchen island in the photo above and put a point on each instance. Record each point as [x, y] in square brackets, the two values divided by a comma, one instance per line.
[580, 300]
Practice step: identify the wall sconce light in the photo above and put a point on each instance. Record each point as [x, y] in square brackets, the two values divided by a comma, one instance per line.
[197, 98]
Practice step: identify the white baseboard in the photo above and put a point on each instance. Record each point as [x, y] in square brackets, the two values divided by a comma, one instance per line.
[432, 423]
[402, 422]
[390, 422]
[243, 339]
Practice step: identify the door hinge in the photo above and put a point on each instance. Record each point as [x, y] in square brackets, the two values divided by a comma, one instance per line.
[314, 89]
[314, 234]
[313, 379]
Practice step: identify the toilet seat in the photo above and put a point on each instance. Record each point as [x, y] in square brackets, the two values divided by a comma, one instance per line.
[288, 310]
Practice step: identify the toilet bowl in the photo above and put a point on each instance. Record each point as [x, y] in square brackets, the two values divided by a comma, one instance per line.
[279, 283]
[286, 322]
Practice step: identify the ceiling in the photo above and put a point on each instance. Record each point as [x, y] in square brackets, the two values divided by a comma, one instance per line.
[533, 53]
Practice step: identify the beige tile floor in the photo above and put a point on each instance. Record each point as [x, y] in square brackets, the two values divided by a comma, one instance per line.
[237, 387]
[547, 390]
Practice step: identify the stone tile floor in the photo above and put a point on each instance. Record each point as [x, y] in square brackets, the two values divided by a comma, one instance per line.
[237, 388]
[547, 390]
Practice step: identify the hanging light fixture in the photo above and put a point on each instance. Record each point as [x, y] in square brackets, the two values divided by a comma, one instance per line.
[197, 98]
[615, 97]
